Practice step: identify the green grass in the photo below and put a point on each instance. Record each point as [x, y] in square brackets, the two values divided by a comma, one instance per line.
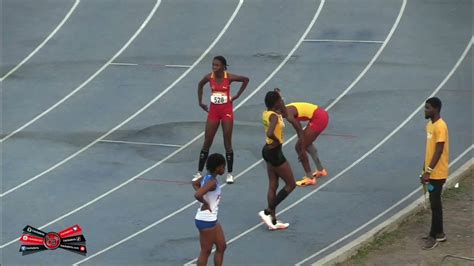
[463, 192]
[381, 241]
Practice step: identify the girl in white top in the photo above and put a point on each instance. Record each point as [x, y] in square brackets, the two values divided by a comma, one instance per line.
[208, 192]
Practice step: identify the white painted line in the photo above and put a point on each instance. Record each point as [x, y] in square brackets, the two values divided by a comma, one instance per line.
[76, 3]
[376, 56]
[343, 41]
[134, 36]
[123, 64]
[185, 73]
[378, 227]
[177, 66]
[132, 64]
[203, 55]
[141, 143]
[316, 15]
[373, 148]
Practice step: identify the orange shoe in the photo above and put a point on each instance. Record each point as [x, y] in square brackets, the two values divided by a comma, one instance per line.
[321, 173]
[306, 181]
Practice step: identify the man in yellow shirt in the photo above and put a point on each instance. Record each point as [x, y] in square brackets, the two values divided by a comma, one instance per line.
[435, 169]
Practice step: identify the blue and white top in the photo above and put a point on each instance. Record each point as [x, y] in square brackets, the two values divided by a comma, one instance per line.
[213, 198]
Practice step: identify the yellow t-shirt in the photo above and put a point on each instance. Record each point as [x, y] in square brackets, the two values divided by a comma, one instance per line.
[305, 110]
[437, 132]
[278, 128]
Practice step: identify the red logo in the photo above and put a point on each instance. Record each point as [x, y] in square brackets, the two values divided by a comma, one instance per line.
[52, 240]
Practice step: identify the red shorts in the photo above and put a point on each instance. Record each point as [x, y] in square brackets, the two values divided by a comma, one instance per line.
[218, 112]
[319, 121]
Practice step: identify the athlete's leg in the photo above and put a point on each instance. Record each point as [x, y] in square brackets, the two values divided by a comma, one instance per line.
[272, 189]
[220, 246]
[210, 132]
[313, 152]
[207, 239]
[227, 128]
[284, 171]
[309, 136]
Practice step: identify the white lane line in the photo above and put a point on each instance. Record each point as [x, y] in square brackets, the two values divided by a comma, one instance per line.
[141, 143]
[66, 17]
[382, 47]
[177, 66]
[316, 15]
[150, 64]
[343, 41]
[370, 151]
[123, 64]
[134, 36]
[375, 218]
[203, 55]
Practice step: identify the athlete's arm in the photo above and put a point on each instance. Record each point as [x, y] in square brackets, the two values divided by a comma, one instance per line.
[245, 82]
[201, 84]
[199, 195]
[296, 125]
[271, 128]
[290, 117]
[197, 184]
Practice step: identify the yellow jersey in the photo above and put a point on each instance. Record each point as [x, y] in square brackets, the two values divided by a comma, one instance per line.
[278, 128]
[437, 132]
[305, 110]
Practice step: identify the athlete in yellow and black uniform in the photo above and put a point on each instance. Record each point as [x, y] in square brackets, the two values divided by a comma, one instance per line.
[277, 165]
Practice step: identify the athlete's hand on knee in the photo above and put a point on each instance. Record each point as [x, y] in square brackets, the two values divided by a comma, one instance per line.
[204, 107]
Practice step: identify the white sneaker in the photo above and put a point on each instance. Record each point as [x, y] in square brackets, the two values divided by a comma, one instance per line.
[279, 226]
[229, 179]
[196, 176]
[267, 219]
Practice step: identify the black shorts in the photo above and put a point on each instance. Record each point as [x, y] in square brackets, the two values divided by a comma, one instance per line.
[273, 156]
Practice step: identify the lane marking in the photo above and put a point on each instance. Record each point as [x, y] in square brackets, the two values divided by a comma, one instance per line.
[134, 36]
[177, 66]
[141, 143]
[343, 41]
[165, 181]
[123, 64]
[63, 21]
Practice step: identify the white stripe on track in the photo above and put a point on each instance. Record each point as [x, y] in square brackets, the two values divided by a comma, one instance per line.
[66, 17]
[125, 46]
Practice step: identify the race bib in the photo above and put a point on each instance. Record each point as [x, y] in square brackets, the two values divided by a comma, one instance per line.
[218, 98]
